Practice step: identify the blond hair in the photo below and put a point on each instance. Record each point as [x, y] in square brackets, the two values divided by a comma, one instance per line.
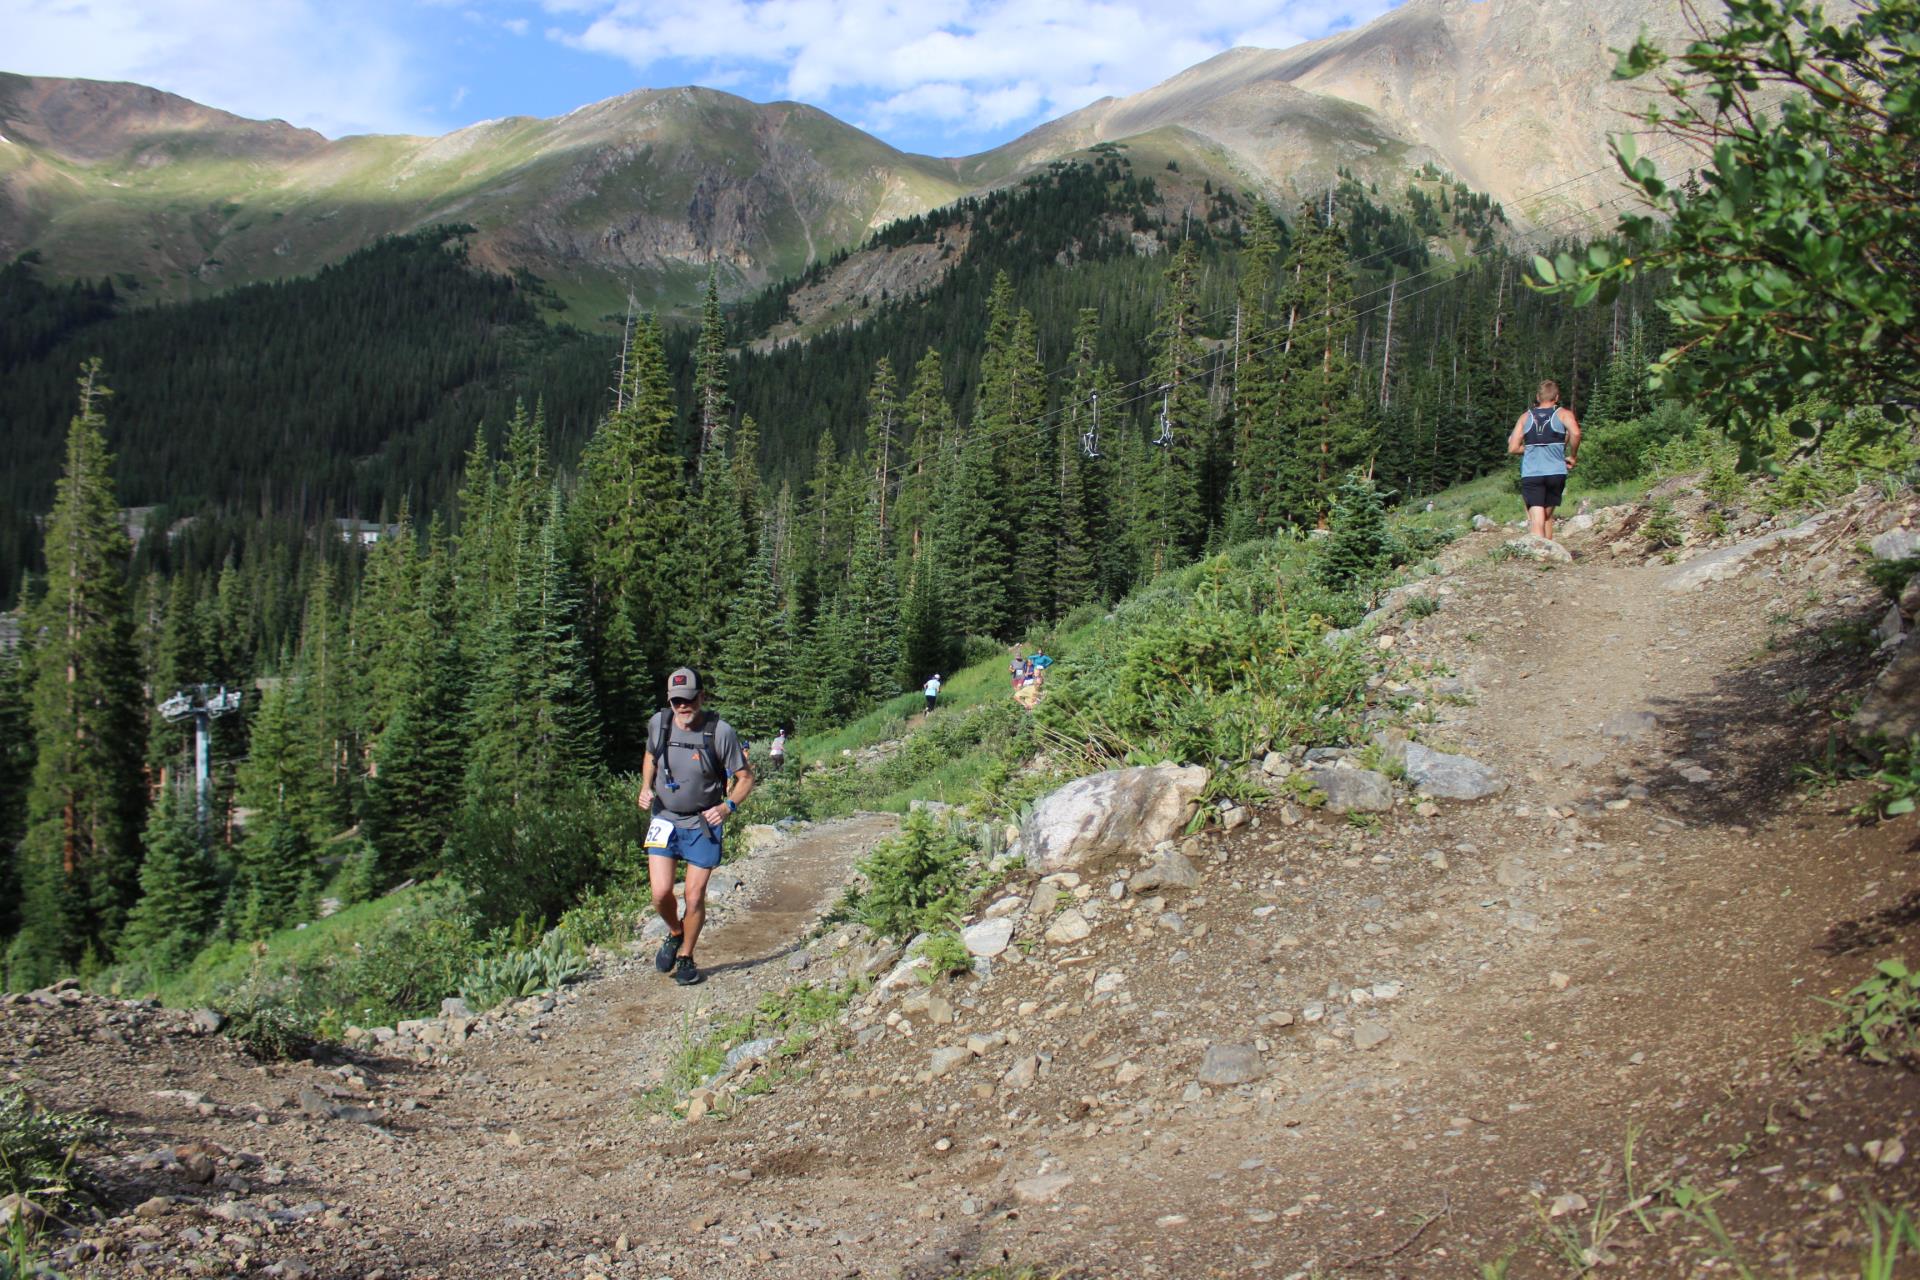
[1549, 392]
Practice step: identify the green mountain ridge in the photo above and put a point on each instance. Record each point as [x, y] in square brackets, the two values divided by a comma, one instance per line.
[641, 195]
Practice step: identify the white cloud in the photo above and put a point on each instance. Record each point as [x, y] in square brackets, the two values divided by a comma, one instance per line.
[976, 65]
[516, 25]
[332, 65]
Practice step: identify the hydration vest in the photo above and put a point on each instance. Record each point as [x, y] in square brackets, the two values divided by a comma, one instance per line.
[1544, 426]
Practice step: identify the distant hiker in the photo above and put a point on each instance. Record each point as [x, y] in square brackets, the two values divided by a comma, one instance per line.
[777, 751]
[701, 772]
[1547, 438]
[1016, 668]
[932, 689]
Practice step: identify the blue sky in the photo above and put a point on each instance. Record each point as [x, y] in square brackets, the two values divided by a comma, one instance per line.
[946, 77]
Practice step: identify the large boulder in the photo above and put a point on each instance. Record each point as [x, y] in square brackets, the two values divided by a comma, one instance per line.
[1354, 790]
[1891, 708]
[1728, 562]
[1539, 548]
[1119, 811]
[1450, 777]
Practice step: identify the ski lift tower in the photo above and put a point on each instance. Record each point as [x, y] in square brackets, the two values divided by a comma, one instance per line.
[202, 703]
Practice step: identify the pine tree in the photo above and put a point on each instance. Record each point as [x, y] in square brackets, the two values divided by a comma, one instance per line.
[883, 420]
[1173, 503]
[78, 859]
[1252, 507]
[1359, 548]
[712, 405]
[532, 720]
[418, 760]
[1077, 493]
[625, 518]
[927, 417]
[1319, 415]
[323, 694]
[178, 897]
[872, 606]
[753, 674]
[16, 768]
[969, 555]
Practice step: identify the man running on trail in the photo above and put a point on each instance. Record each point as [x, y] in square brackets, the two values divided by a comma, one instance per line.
[694, 774]
[1547, 438]
[932, 689]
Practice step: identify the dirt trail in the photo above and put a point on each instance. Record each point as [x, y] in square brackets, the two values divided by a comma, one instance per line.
[1460, 1011]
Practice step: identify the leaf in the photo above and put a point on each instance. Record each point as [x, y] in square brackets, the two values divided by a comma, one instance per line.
[1898, 807]
[1544, 269]
[1801, 429]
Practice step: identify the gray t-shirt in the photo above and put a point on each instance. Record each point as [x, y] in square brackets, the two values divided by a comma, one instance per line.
[685, 780]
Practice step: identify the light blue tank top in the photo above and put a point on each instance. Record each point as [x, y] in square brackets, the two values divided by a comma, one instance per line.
[1546, 452]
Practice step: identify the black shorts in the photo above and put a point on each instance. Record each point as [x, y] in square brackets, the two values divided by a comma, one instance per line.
[1542, 491]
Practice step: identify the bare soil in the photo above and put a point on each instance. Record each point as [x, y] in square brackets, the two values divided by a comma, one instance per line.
[1630, 945]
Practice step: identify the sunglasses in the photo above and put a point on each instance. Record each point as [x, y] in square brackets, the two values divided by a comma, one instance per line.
[679, 702]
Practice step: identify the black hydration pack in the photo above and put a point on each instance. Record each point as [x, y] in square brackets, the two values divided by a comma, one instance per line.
[660, 732]
[1544, 426]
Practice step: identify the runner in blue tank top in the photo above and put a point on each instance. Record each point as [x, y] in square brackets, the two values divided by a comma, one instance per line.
[1547, 438]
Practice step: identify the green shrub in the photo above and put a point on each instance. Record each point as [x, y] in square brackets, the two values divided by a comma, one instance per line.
[405, 968]
[40, 1149]
[609, 916]
[1358, 549]
[1897, 781]
[945, 954]
[1423, 606]
[1220, 663]
[518, 974]
[540, 860]
[267, 1019]
[1662, 527]
[1883, 1017]
[918, 880]
[1892, 576]
[1612, 453]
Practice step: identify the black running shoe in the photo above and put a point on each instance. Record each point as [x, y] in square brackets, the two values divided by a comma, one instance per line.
[664, 957]
[686, 973]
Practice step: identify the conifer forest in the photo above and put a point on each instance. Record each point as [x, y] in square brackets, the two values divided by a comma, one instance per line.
[447, 550]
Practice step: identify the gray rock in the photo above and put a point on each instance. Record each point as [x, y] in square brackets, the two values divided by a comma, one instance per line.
[454, 1007]
[1537, 548]
[1111, 812]
[1370, 1035]
[1891, 708]
[1021, 1074]
[988, 937]
[206, 1022]
[760, 835]
[1482, 523]
[1451, 777]
[239, 1211]
[1910, 597]
[1234, 816]
[1718, 566]
[751, 1049]
[1324, 755]
[1041, 1190]
[798, 960]
[1896, 544]
[1890, 627]
[948, 1059]
[1393, 745]
[1069, 928]
[1511, 873]
[1275, 765]
[1169, 871]
[1354, 790]
[1231, 1064]
[317, 1106]
[1625, 726]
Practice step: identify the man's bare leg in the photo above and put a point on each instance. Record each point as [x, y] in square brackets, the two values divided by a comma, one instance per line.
[660, 879]
[695, 913]
[1546, 522]
[1537, 521]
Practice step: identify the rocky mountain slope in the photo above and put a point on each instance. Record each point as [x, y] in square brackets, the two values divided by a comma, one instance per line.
[643, 192]
[1527, 1031]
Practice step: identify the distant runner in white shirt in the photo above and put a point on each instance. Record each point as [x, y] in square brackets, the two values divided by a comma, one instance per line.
[932, 689]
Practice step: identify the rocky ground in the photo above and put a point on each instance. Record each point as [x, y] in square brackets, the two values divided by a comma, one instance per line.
[1533, 1029]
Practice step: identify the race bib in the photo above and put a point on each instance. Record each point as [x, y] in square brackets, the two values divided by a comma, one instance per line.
[659, 832]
